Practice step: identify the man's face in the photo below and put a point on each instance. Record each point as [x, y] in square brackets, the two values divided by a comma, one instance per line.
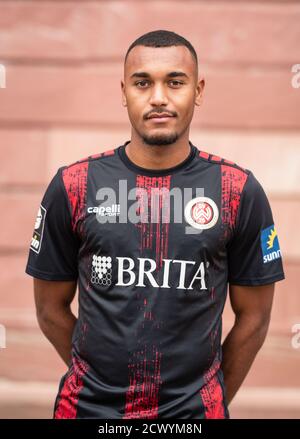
[161, 80]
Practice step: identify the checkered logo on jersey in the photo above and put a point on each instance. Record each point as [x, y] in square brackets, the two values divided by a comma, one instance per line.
[270, 244]
[101, 270]
[36, 240]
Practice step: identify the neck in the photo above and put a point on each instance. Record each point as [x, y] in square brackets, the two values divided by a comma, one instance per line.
[157, 156]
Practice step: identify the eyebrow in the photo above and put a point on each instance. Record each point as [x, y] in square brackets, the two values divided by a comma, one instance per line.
[147, 75]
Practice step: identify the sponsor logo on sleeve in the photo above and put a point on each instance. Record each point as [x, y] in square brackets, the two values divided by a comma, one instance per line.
[36, 240]
[270, 244]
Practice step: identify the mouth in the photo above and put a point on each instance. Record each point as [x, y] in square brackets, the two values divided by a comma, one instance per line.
[160, 119]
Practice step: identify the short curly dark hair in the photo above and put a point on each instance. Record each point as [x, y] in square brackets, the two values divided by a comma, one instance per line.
[162, 38]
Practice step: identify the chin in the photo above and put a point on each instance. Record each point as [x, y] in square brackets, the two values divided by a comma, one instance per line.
[160, 139]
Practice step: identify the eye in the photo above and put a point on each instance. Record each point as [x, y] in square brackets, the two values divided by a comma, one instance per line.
[143, 81]
[176, 82]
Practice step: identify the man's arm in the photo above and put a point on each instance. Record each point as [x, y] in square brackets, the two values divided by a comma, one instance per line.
[56, 320]
[252, 308]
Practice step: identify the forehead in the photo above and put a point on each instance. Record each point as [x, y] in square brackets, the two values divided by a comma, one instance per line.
[159, 60]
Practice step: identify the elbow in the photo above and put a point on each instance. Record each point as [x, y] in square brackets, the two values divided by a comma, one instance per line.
[41, 310]
[262, 330]
[51, 315]
[44, 318]
[47, 316]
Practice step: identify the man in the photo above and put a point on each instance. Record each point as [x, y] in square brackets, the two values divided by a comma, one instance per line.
[153, 231]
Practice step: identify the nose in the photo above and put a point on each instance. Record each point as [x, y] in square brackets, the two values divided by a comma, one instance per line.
[158, 96]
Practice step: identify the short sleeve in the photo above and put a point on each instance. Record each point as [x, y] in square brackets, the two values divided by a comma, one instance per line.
[54, 246]
[254, 256]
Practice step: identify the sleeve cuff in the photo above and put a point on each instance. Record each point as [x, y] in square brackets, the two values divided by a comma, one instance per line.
[49, 276]
[258, 281]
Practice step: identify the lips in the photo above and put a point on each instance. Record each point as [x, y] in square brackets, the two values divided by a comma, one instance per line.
[160, 115]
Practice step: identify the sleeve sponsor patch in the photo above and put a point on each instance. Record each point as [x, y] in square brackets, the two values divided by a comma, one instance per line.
[36, 240]
[270, 244]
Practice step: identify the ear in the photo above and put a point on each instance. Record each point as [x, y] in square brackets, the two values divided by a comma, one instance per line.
[124, 102]
[199, 91]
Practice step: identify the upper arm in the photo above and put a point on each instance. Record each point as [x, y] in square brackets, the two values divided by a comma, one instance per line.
[54, 247]
[252, 302]
[254, 256]
[52, 295]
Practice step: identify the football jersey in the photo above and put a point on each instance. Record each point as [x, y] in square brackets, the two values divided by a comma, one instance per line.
[153, 252]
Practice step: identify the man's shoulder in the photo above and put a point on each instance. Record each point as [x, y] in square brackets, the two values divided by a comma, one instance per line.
[84, 162]
[74, 176]
[223, 162]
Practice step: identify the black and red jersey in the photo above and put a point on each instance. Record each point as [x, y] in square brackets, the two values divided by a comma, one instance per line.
[153, 252]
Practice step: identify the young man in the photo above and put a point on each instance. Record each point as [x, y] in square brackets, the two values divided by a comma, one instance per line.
[153, 232]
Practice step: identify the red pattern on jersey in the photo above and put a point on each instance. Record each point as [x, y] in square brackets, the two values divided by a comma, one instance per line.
[96, 156]
[159, 230]
[204, 155]
[215, 158]
[75, 181]
[144, 383]
[233, 181]
[142, 396]
[212, 394]
[67, 405]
